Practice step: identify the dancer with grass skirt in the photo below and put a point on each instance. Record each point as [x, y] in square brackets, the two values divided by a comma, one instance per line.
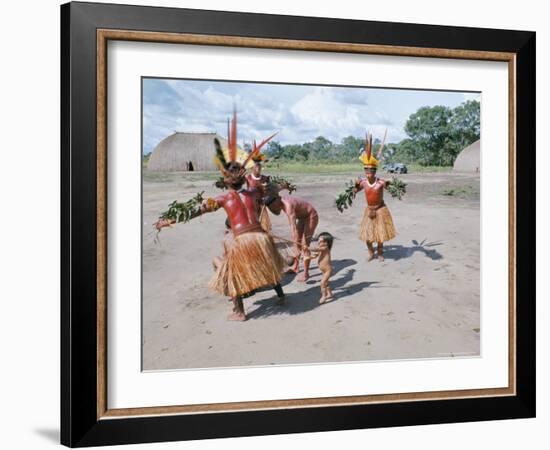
[377, 224]
[251, 259]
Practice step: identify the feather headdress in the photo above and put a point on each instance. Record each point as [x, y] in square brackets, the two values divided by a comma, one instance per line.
[255, 154]
[233, 155]
[366, 156]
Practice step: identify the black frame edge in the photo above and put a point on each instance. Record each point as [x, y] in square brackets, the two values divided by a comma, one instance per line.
[168, 19]
[79, 425]
[525, 223]
[65, 391]
[79, 230]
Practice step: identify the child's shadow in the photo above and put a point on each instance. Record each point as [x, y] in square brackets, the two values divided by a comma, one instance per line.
[341, 289]
[337, 266]
[308, 300]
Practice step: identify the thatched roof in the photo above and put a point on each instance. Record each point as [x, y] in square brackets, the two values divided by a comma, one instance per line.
[175, 152]
[468, 160]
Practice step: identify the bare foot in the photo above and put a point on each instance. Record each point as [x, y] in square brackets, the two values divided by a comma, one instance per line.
[322, 300]
[291, 270]
[371, 256]
[380, 258]
[303, 277]
[236, 317]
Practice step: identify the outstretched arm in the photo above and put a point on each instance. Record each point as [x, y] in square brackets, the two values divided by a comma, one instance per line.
[211, 205]
[358, 186]
[185, 211]
[161, 223]
[314, 252]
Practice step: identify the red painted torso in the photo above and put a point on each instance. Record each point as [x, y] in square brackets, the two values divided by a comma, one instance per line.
[373, 193]
[254, 183]
[241, 208]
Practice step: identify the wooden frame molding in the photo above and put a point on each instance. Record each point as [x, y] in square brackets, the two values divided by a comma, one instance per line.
[103, 36]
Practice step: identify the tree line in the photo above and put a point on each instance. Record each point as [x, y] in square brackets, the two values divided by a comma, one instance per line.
[435, 136]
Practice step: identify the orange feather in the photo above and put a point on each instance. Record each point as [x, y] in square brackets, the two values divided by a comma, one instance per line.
[368, 148]
[256, 148]
[232, 138]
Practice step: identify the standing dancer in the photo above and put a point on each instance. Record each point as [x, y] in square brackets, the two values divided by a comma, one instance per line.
[377, 224]
[255, 180]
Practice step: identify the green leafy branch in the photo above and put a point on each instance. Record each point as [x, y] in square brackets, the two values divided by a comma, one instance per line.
[184, 211]
[283, 183]
[345, 199]
[397, 188]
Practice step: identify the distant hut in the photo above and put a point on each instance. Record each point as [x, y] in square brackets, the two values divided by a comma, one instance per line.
[185, 152]
[468, 160]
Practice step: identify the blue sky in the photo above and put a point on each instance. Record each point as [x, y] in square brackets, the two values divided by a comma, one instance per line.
[299, 113]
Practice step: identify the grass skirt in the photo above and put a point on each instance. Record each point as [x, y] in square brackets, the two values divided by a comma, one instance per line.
[379, 228]
[265, 221]
[252, 262]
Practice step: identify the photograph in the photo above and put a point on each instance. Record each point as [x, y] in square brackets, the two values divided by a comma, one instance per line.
[287, 224]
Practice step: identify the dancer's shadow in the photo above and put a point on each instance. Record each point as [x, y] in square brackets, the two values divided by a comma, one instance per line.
[341, 288]
[341, 264]
[346, 291]
[307, 300]
[397, 252]
[337, 266]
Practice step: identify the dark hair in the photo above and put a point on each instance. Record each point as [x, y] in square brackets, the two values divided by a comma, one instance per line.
[234, 177]
[327, 237]
[236, 184]
[269, 199]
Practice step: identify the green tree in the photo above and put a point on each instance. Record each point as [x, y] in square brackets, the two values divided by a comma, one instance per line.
[437, 134]
[274, 149]
[320, 148]
[296, 152]
[403, 152]
[428, 128]
[349, 148]
[465, 123]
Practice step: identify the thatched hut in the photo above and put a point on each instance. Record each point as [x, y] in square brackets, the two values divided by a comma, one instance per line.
[184, 152]
[468, 160]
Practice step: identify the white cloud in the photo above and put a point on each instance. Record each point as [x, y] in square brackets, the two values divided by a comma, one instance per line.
[300, 113]
[331, 113]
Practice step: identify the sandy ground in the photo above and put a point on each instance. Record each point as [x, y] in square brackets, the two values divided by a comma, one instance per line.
[422, 302]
